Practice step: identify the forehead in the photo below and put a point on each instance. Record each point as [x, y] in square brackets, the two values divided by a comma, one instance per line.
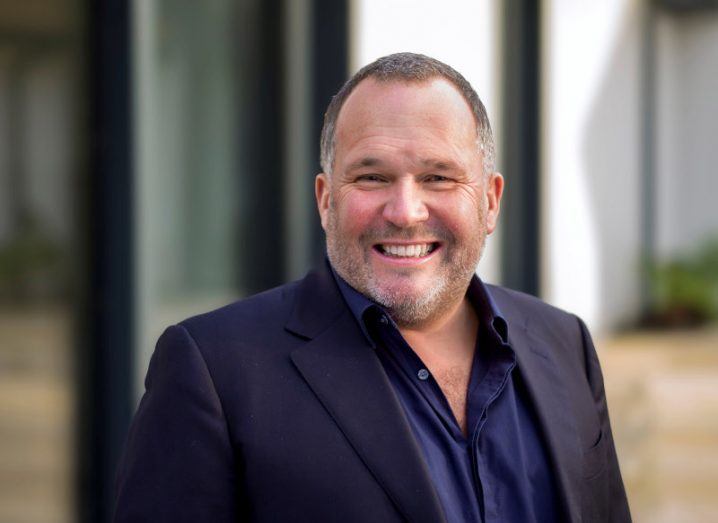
[434, 104]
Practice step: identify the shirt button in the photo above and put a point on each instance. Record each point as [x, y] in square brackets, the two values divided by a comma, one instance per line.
[423, 374]
[383, 319]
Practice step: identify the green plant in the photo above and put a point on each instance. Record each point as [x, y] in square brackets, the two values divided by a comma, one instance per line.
[685, 289]
[30, 265]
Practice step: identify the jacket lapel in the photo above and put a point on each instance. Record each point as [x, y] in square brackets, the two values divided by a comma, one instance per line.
[550, 399]
[348, 379]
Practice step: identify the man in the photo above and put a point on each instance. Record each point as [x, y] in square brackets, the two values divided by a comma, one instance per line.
[391, 384]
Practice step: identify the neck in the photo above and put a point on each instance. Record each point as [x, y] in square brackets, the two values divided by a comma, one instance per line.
[456, 328]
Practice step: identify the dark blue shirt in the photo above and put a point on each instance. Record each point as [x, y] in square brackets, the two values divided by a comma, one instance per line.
[500, 472]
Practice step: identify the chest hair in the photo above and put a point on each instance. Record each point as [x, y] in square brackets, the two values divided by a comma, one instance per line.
[454, 383]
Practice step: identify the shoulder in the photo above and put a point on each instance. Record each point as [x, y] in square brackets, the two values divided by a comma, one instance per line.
[235, 341]
[527, 303]
[256, 315]
[553, 332]
[535, 315]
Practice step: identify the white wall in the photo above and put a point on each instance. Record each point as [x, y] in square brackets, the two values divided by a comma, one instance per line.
[592, 158]
[462, 33]
[687, 137]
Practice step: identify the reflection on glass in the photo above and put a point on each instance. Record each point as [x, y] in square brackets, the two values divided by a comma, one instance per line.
[189, 94]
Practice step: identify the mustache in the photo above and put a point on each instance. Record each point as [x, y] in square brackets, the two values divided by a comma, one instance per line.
[391, 231]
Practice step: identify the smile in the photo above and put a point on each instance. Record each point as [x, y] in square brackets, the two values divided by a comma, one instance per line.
[413, 250]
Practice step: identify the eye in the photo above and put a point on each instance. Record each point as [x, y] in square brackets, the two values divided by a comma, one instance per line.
[436, 178]
[369, 179]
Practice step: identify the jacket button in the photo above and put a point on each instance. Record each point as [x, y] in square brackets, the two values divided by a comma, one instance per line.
[423, 374]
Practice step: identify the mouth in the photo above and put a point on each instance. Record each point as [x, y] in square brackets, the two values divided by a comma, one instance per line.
[407, 251]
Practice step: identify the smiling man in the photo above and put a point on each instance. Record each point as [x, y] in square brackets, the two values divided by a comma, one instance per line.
[410, 203]
[391, 384]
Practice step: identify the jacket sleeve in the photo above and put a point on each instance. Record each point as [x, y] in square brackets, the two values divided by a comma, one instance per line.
[618, 511]
[178, 463]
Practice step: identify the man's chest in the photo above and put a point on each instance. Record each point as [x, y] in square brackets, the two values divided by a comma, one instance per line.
[454, 383]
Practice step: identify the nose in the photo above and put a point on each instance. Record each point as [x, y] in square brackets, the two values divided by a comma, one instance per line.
[405, 206]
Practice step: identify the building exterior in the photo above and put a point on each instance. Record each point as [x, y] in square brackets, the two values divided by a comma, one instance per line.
[157, 160]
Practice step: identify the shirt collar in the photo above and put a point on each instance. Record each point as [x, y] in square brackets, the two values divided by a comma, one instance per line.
[478, 293]
[359, 304]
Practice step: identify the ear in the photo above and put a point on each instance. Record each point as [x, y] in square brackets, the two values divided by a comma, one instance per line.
[321, 192]
[494, 191]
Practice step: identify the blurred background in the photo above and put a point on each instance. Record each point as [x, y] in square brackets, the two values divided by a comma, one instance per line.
[157, 160]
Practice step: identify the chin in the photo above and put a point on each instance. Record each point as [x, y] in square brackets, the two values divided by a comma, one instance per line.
[404, 296]
[406, 290]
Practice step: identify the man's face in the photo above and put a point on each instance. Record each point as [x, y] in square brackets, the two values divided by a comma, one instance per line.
[407, 207]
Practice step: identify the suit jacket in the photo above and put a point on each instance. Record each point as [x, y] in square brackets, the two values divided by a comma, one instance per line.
[276, 408]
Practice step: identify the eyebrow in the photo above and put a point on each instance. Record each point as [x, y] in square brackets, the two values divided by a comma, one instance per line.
[368, 161]
[438, 165]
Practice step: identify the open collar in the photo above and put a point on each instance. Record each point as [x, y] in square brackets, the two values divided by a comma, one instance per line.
[477, 292]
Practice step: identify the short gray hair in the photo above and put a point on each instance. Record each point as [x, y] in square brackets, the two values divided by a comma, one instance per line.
[407, 67]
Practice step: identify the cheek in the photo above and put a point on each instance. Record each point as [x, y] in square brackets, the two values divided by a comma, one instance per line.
[460, 213]
[357, 210]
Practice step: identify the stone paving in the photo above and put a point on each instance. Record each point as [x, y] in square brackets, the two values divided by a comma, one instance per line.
[662, 389]
[36, 413]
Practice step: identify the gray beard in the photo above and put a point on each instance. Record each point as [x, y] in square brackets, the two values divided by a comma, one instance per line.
[412, 313]
[406, 311]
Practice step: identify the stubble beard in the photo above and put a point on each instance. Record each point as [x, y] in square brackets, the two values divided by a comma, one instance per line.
[458, 265]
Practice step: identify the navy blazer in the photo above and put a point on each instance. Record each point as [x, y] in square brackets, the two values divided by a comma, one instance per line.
[276, 408]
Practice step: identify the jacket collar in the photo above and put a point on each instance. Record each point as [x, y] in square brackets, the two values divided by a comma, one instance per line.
[345, 374]
[549, 396]
[318, 304]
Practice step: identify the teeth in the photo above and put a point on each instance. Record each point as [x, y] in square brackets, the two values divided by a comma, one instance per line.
[407, 251]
